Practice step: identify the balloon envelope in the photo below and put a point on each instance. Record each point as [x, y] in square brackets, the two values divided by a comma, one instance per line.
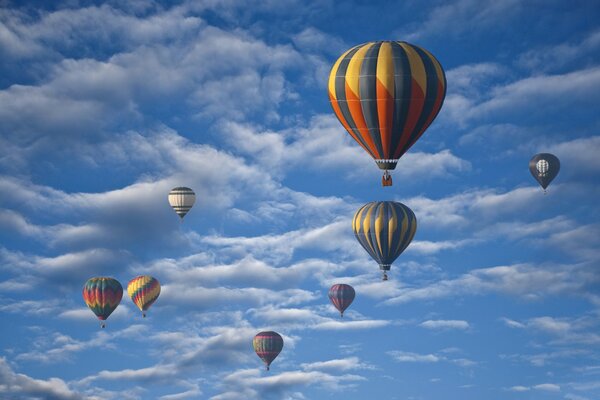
[386, 94]
[182, 199]
[267, 346]
[341, 296]
[544, 167]
[143, 290]
[102, 295]
[384, 229]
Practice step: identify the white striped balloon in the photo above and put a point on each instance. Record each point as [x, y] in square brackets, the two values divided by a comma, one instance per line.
[182, 199]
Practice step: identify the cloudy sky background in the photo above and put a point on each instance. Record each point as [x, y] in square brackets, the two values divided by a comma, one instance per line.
[105, 106]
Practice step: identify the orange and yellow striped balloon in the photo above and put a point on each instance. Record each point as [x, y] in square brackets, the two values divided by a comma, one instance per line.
[143, 290]
[386, 94]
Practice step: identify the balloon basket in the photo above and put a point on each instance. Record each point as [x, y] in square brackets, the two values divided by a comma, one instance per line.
[386, 179]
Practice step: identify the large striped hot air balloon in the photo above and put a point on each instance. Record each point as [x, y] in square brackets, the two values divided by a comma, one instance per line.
[544, 167]
[386, 94]
[102, 295]
[182, 199]
[384, 229]
[143, 290]
[267, 346]
[341, 296]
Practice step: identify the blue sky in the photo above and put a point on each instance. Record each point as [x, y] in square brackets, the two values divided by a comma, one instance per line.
[106, 106]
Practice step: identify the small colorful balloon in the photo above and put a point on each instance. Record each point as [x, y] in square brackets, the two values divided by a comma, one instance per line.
[102, 295]
[341, 296]
[267, 346]
[544, 167]
[143, 290]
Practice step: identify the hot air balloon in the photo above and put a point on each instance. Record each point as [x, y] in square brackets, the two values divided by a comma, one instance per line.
[267, 346]
[102, 295]
[143, 290]
[182, 199]
[544, 167]
[384, 229]
[386, 94]
[341, 295]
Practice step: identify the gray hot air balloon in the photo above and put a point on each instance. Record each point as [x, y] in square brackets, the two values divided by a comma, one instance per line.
[544, 167]
[182, 199]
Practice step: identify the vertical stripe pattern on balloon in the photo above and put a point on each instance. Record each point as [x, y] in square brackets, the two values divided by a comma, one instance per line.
[267, 346]
[386, 94]
[384, 229]
[341, 296]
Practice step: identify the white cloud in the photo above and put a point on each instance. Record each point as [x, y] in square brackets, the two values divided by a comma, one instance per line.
[548, 58]
[192, 393]
[464, 16]
[548, 387]
[149, 374]
[281, 247]
[324, 143]
[343, 325]
[315, 40]
[248, 384]
[523, 280]
[564, 330]
[205, 298]
[519, 388]
[15, 386]
[404, 356]
[410, 357]
[512, 323]
[56, 348]
[570, 396]
[552, 357]
[545, 91]
[470, 207]
[428, 247]
[65, 29]
[465, 85]
[66, 270]
[445, 324]
[578, 156]
[212, 72]
[503, 135]
[482, 93]
[344, 364]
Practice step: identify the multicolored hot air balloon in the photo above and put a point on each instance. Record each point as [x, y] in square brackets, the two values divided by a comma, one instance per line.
[386, 94]
[143, 290]
[102, 295]
[267, 346]
[341, 295]
[384, 229]
[182, 199]
[544, 167]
